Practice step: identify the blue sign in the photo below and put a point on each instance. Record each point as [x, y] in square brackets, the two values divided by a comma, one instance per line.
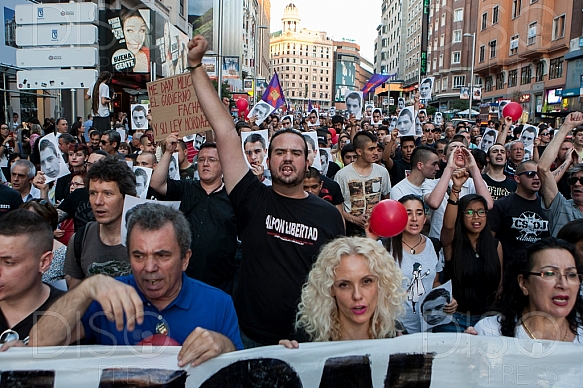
[55, 34]
[40, 13]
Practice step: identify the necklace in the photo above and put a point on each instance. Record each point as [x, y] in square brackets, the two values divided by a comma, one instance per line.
[412, 248]
[534, 338]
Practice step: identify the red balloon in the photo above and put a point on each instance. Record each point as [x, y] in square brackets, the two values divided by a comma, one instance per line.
[332, 132]
[335, 139]
[158, 340]
[242, 104]
[388, 218]
[512, 109]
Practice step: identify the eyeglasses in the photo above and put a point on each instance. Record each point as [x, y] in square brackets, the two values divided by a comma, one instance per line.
[529, 174]
[77, 184]
[471, 213]
[545, 134]
[573, 180]
[11, 335]
[104, 142]
[210, 160]
[570, 277]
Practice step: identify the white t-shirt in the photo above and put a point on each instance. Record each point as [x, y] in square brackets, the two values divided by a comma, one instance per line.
[437, 214]
[404, 188]
[360, 192]
[103, 110]
[491, 326]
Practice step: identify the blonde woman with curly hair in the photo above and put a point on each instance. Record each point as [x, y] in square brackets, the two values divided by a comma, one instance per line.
[354, 291]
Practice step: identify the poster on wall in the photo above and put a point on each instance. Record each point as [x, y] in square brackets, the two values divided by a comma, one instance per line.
[128, 36]
[172, 45]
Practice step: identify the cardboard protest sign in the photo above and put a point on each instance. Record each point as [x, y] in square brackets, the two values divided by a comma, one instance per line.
[175, 108]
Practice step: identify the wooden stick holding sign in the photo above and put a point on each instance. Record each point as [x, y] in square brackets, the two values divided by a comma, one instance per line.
[175, 108]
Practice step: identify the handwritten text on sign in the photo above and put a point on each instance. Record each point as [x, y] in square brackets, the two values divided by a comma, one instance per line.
[175, 107]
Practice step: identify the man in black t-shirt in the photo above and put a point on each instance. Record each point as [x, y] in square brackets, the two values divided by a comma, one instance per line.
[323, 187]
[209, 212]
[282, 228]
[26, 239]
[9, 199]
[518, 220]
[499, 184]
[400, 168]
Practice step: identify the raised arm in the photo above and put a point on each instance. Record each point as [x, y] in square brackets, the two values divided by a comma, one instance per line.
[388, 151]
[159, 178]
[60, 325]
[459, 177]
[479, 184]
[228, 142]
[548, 188]
[435, 198]
[503, 134]
[571, 158]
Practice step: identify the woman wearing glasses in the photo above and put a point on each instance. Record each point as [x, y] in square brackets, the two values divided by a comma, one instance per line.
[540, 298]
[473, 256]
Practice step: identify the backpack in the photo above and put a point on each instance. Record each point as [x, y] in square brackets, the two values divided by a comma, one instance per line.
[78, 242]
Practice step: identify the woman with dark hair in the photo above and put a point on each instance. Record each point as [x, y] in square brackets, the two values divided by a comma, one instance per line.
[136, 34]
[417, 258]
[473, 256]
[540, 297]
[78, 132]
[100, 99]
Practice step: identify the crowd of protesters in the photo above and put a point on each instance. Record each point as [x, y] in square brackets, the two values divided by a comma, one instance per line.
[267, 248]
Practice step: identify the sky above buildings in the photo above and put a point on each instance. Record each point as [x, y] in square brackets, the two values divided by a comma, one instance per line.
[348, 19]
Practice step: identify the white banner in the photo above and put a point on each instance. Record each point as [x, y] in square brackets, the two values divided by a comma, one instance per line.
[436, 360]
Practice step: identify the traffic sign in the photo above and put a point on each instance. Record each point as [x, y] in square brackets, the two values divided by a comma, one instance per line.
[56, 35]
[57, 57]
[55, 79]
[59, 13]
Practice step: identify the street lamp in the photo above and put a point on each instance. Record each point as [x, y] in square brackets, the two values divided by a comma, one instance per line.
[473, 36]
[255, 63]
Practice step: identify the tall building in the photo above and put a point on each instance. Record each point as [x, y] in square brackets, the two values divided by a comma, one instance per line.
[255, 41]
[303, 60]
[388, 57]
[527, 63]
[450, 53]
[351, 71]
[412, 10]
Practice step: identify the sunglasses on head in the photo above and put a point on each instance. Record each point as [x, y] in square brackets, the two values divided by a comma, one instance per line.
[573, 180]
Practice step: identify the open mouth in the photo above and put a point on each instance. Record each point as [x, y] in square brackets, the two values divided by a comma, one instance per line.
[561, 300]
[359, 310]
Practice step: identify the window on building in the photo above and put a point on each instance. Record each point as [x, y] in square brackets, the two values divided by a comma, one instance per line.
[492, 45]
[516, 7]
[440, 60]
[495, 12]
[514, 45]
[444, 83]
[540, 71]
[525, 75]
[531, 37]
[457, 36]
[484, 20]
[482, 55]
[442, 40]
[556, 68]
[559, 27]
[313, 94]
[499, 81]
[489, 83]
[456, 57]
[459, 81]
[458, 15]
[443, 19]
[512, 78]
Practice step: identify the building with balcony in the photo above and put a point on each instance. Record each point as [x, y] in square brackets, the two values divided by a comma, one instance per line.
[351, 71]
[303, 59]
[449, 52]
[388, 56]
[520, 52]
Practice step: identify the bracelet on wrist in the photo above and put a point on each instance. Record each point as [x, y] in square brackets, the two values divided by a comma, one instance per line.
[452, 202]
[453, 190]
[191, 68]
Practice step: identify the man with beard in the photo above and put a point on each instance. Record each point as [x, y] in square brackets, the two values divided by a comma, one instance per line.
[498, 184]
[363, 183]
[281, 227]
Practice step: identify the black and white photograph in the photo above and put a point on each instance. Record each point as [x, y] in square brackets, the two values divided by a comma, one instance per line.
[173, 170]
[426, 88]
[287, 121]
[368, 108]
[51, 161]
[528, 134]
[313, 149]
[332, 112]
[143, 175]
[438, 119]
[139, 116]
[353, 101]
[501, 106]
[129, 206]
[325, 158]
[261, 110]
[313, 118]
[406, 122]
[400, 103]
[254, 145]
[432, 307]
[488, 140]
[377, 117]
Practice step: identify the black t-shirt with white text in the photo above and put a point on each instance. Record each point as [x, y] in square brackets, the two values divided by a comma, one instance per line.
[499, 189]
[281, 238]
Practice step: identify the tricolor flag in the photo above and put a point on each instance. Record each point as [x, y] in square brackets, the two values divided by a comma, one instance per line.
[375, 81]
[274, 94]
